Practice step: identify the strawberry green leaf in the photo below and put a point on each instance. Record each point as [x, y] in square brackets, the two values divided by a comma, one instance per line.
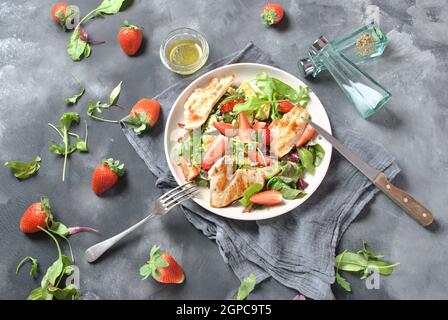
[246, 287]
[115, 166]
[138, 123]
[23, 170]
[145, 271]
[34, 266]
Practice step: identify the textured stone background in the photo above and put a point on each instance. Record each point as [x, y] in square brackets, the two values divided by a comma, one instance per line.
[35, 77]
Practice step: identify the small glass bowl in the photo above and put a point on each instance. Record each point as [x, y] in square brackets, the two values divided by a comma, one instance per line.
[184, 34]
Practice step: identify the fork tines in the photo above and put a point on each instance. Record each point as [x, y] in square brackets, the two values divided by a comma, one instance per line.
[178, 195]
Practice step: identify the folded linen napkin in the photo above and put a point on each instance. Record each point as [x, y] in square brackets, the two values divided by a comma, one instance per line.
[298, 248]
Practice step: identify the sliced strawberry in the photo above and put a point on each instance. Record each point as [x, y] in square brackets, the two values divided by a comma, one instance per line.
[265, 137]
[190, 172]
[306, 136]
[226, 129]
[267, 198]
[285, 106]
[229, 105]
[259, 158]
[214, 152]
[244, 129]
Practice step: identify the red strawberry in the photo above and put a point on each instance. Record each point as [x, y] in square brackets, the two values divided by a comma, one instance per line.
[190, 172]
[36, 215]
[59, 12]
[226, 129]
[228, 106]
[285, 106]
[162, 267]
[130, 38]
[144, 115]
[265, 136]
[105, 175]
[244, 129]
[271, 13]
[306, 136]
[214, 152]
[267, 198]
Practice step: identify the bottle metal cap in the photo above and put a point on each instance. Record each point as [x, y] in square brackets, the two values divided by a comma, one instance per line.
[306, 66]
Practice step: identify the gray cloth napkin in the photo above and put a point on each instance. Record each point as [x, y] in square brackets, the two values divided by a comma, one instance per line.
[298, 248]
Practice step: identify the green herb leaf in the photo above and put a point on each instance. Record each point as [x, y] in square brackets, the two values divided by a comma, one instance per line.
[59, 228]
[307, 159]
[114, 94]
[246, 287]
[76, 46]
[109, 6]
[367, 253]
[74, 99]
[23, 170]
[87, 50]
[53, 273]
[38, 294]
[318, 154]
[68, 118]
[34, 266]
[251, 104]
[343, 282]
[349, 261]
[250, 191]
[70, 292]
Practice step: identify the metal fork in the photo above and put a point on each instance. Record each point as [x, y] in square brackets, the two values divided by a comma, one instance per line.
[163, 204]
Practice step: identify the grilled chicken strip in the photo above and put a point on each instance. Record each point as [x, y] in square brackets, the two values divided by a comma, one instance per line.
[227, 186]
[201, 101]
[287, 130]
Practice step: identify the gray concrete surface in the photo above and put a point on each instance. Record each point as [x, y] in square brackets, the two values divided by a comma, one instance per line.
[35, 77]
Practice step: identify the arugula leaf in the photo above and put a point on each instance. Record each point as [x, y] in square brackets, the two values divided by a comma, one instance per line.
[34, 266]
[68, 118]
[70, 292]
[249, 192]
[74, 99]
[307, 159]
[109, 7]
[266, 84]
[343, 282]
[59, 228]
[246, 287]
[114, 94]
[361, 262]
[284, 90]
[64, 148]
[76, 46]
[251, 104]
[23, 170]
[318, 153]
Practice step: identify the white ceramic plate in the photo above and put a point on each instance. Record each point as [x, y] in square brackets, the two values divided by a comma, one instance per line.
[245, 72]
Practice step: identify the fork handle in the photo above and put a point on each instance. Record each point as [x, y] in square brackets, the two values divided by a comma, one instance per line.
[97, 250]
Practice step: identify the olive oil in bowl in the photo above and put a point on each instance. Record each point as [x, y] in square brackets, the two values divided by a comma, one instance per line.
[184, 51]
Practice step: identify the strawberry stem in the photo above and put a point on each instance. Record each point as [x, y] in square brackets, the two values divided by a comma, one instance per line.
[65, 139]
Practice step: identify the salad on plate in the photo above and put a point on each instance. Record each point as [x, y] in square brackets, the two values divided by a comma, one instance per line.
[250, 144]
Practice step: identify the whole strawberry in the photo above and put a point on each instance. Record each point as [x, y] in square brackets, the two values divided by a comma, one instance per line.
[36, 216]
[271, 13]
[59, 13]
[105, 175]
[144, 115]
[130, 38]
[162, 267]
